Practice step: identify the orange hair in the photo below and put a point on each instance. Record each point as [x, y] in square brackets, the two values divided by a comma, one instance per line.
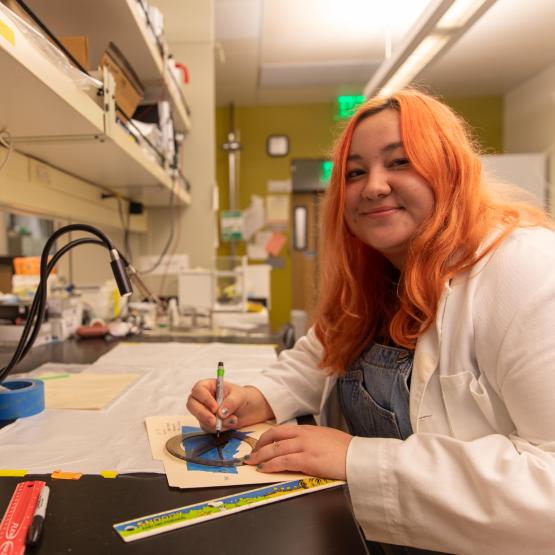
[357, 301]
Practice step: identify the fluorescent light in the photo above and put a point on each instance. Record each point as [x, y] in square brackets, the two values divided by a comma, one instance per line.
[439, 27]
[419, 58]
[459, 13]
[354, 15]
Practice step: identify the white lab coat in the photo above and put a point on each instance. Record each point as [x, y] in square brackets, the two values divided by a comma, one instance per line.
[478, 474]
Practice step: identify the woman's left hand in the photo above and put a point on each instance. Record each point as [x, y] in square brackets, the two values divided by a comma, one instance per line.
[312, 450]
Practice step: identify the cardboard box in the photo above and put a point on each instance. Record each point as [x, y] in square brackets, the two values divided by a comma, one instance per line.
[27, 265]
[129, 89]
[78, 47]
[6, 273]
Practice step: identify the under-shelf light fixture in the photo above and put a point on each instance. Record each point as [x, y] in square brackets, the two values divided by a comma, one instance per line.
[441, 24]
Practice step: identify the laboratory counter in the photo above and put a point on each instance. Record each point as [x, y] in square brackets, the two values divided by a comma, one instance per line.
[81, 513]
[86, 351]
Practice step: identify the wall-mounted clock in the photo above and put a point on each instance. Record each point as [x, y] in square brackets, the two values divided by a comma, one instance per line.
[277, 145]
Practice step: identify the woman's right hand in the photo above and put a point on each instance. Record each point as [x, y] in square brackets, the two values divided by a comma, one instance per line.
[241, 406]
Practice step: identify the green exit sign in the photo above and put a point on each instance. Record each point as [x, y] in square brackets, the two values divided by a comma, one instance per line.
[325, 172]
[347, 105]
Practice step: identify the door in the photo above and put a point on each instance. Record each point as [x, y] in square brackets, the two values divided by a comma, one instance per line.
[304, 258]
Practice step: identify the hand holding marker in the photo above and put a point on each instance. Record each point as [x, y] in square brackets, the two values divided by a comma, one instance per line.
[219, 395]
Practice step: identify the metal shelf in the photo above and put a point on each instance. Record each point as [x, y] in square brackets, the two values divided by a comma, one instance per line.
[119, 21]
[50, 118]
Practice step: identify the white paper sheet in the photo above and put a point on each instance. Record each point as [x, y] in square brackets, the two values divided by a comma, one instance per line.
[115, 438]
[277, 209]
[254, 217]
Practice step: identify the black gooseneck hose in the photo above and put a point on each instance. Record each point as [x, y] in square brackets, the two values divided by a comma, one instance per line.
[38, 307]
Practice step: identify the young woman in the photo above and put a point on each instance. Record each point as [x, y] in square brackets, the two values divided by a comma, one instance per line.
[435, 329]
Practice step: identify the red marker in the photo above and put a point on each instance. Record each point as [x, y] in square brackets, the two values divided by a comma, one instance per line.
[18, 517]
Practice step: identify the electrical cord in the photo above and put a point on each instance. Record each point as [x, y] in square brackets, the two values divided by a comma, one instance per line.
[128, 120]
[177, 234]
[25, 343]
[126, 228]
[149, 24]
[38, 307]
[6, 141]
[171, 235]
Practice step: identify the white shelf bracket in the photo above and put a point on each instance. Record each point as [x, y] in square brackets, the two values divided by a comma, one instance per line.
[109, 119]
[109, 103]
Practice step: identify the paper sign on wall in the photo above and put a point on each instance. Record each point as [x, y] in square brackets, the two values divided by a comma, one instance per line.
[276, 243]
[277, 209]
[257, 249]
[231, 225]
[253, 217]
[279, 186]
[256, 252]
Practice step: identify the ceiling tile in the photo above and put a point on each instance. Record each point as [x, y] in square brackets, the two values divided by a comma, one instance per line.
[187, 20]
[323, 73]
[237, 19]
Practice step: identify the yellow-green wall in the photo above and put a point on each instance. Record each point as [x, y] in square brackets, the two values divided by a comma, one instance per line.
[311, 129]
[485, 116]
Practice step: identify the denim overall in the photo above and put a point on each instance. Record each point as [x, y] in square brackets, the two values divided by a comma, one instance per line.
[374, 396]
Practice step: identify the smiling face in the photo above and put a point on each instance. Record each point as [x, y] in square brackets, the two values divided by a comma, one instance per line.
[386, 199]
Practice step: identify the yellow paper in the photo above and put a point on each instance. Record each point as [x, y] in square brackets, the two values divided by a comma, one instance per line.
[86, 390]
[7, 33]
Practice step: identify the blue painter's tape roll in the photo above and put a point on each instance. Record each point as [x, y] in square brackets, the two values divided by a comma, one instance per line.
[24, 398]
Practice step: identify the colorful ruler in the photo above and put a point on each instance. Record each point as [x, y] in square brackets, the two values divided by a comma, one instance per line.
[18, 517]
[150, 525]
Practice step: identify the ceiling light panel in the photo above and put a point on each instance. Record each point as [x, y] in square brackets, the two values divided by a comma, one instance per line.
[421, 55]
[325, 30]
[459, 13]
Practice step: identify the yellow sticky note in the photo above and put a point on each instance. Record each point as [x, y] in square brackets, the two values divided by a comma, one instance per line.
[108, 473]
[7, 33]
[13, 472]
